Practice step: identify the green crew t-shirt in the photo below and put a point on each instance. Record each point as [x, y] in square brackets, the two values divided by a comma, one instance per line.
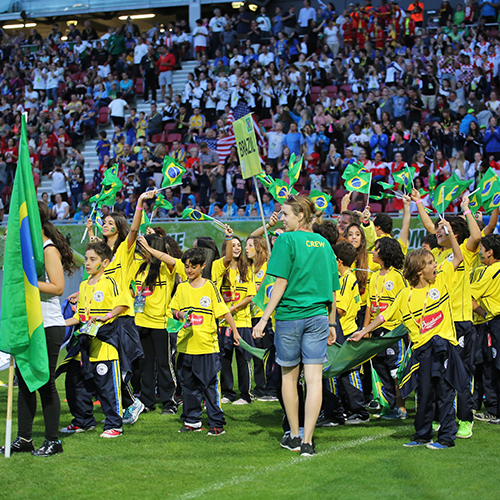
[306, 260]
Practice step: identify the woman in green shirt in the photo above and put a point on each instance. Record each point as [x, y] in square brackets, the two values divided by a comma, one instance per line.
[304, 299]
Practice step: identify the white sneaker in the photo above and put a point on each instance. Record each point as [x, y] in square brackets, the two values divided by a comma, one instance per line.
[241, 401]
[74, 429]
[225, 400]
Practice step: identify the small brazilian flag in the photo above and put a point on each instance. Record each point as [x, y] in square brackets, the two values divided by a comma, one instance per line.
[378, 389]
[265, 179]
[265, 291]
[172, 172]
[191, 213]
[450, 189]
[475, 202]
[489, 184]
[111, 184]
[281, 191]
[359, 182]
[294, 169]
[320, 199]
[352, 170]
[176, 325]
[162, 202]
[385, 185]
[404, 177]
[491, 204]
[144, 222]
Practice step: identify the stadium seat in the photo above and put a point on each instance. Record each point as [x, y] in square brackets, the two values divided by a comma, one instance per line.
[158, 138]
[339, 194]
[103, 116]
[347, 89]
[316, 89]
[90, 102]
[314, 97]
[173, 137]
[390, 207]
[375, 207]
[267, 123]
[331, 89]
[139, 86]
[169, 126]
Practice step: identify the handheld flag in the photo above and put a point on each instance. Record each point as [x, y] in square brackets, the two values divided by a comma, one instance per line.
[111, 184]
[352, 170]
[144, 222]
[404, 177]
[162, 202]
[489, 184]
[172, 172]
[475, 202]
[294, 169]
[359, 182]
[281, 191]
[191, 213]
[385, 185]
[378, 389]
[21, 324]
[265, 291]
[450, 189]
[265, 179]
[492, 203]
[175, 325]
[254, 351]
[320, 199]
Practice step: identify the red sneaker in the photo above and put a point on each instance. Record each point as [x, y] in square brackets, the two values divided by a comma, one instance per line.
[112, 433]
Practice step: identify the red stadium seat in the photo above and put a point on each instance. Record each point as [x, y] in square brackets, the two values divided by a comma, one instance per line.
[267, 123]
[173, 137]
[316, 89]
[314, 97]
[170, 126]
[90, 102]
[103, 116]
[331, 89]
[375, 207]
[139, 86]
[158, 138]
[390, 208]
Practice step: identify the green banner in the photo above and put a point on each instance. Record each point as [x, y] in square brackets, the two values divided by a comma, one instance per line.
[185, 232]
[247, 146]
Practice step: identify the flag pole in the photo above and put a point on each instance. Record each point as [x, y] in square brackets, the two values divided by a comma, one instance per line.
[8, 423]
[262, 214]
[369, 189]
[90, 217]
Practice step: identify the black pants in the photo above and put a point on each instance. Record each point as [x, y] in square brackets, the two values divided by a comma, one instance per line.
[484, 390]
[332, 406]
[150, 84]
[199, 376]
[466, 336]
[351, 393]
[265, 342]
[243, 362]
[494, 327]
[435, 395]
[156, 346]
[51, 405]
[118, 120]
[79, 396]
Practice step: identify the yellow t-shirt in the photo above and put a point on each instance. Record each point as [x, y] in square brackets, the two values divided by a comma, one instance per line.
[120, 270]
[485, 290]
[349, 301]
[234, 290]
[461, 302]
[97, 300]
[207, 304]
[258, 277]
[383, 290]
[372, 266]
[156, 305]
[427, 311]
[218, 270]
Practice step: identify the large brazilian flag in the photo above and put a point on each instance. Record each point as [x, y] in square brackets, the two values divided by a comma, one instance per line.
[21, 324]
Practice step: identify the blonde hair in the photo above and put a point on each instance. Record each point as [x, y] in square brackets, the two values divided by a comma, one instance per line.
[302, 204]
[415, 263]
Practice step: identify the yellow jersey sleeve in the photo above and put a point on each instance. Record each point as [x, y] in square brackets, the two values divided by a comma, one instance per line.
[485, 290]
[349, 301]
[234, 291]
[404, 246]
[370, 235]
[218, 270]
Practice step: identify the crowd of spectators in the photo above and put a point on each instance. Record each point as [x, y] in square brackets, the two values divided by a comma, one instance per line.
[386, 86]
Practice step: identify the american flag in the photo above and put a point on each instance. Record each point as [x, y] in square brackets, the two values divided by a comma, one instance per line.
[223, 146]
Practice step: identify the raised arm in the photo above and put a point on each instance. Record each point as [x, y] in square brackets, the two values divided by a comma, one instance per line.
[228, 235]
[424, 216]
[272, 221]
[405, 227]
[492, 224]
[475, 232]
[136, 221]
[164, 257]
[457, 252]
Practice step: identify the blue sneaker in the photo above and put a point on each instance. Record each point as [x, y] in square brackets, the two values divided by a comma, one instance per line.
[438, 446]
[396, 414]
[417, 442]
[132, 413]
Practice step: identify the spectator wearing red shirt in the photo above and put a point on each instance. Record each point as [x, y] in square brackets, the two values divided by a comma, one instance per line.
[62, 141]
[165, 64]
[34, 160]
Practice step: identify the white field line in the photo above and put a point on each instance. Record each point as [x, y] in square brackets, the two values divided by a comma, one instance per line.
[251, 476]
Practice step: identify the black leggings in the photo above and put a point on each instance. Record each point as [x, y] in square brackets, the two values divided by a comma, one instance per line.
[26, 402]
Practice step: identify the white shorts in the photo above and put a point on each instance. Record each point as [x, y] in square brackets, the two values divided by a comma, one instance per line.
[165, 78]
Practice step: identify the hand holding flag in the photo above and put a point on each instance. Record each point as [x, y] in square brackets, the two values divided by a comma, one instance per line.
[193, 214]
[320, 199]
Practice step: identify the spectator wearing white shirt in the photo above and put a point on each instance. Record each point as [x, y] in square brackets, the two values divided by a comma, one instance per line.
[117, 110]
[264, 23]
[216, 26]
[31, 97]
[200, 39]
[140, 50]
[276, 139]
[265, 57]
[306, 13]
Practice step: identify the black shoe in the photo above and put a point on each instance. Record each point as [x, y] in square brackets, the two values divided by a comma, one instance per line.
[148, 409]
[48, 449]
[20, 445]
[356, 419]
[307, 450]
[290, 443]
[373, 405]
[495, 421]
[325, 422]
[168, 411]
[216, 431]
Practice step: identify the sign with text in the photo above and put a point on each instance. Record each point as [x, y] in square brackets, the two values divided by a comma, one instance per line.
[247, 146]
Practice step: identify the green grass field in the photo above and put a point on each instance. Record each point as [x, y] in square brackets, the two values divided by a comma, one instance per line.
[152, 460]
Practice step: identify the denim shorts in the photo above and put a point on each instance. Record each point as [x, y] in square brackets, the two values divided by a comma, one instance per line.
[302, 340]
